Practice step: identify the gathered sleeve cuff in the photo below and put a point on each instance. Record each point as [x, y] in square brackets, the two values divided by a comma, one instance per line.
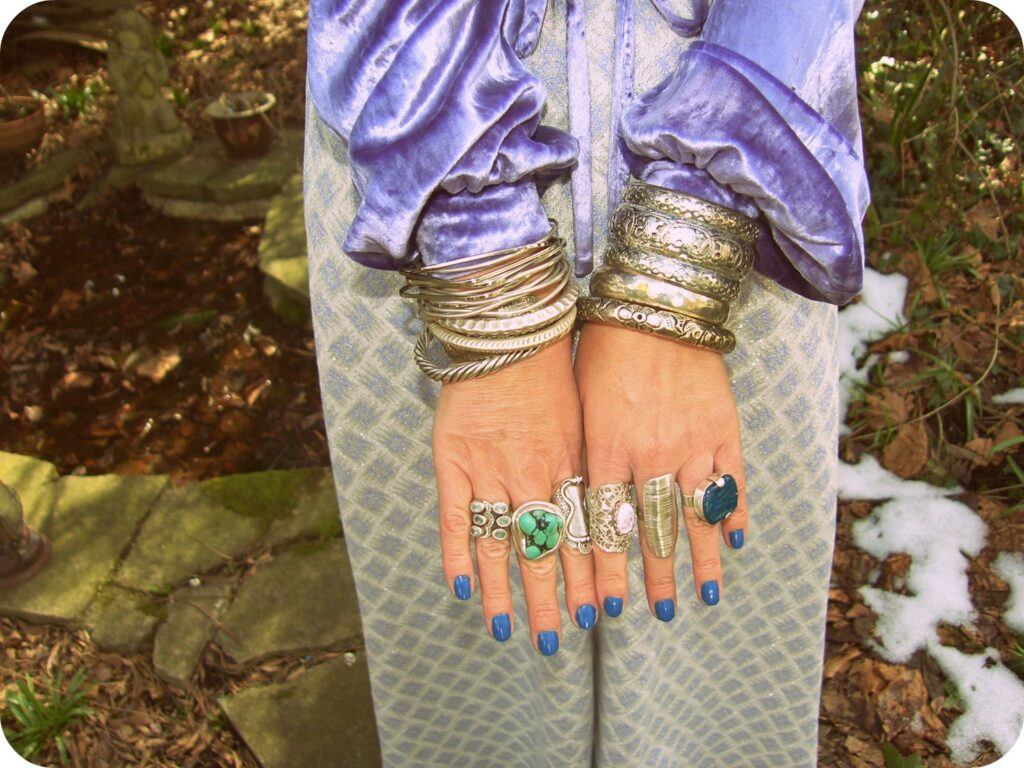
[441, 122]
[760, 115]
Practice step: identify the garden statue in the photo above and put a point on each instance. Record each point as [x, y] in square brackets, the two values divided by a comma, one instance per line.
[145, 127]
[23, 552]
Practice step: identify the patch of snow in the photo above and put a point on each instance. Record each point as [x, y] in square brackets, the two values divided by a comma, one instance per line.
[993, 700]
[1009, 567]
[870, 481]
[878, 313]
[899, 356]
[1013, 397]
[939, 535]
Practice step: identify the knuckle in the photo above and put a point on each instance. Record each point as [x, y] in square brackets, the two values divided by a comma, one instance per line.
[611, 582]
[495, 597]
[492, 553]
[545, 614]
[538, 569]
[454, 523]
[661, 582]
[707, 564]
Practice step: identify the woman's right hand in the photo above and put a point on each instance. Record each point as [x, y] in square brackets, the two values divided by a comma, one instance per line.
[512, 436]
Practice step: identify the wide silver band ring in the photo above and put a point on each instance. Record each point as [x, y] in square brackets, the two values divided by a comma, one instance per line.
[659, 514]
[568, 497]
[611, 514]
[491, 520]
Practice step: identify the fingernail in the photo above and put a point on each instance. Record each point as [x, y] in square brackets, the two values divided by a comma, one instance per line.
[586, 615]
[665, 609]
[613, 606]
[547, 643]
[461, 587]
[709, 592]
[736, 539]
[501, 627]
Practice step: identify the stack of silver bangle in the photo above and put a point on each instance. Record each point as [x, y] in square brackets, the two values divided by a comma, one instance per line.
[494, 309]
[673, 265]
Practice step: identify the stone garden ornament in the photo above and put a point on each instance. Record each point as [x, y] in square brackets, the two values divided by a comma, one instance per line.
[145, 127]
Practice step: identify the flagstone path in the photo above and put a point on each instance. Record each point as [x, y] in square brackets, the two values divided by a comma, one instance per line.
[255, 563]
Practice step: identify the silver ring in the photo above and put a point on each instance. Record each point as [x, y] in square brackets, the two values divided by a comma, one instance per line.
[611, 511]
[538, 529]
[659, 514]
[715, 499]
[568, 497]
[490, 520]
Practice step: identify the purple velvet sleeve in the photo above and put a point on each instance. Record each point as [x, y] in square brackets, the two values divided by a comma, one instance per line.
[441, 121]
[761, 115]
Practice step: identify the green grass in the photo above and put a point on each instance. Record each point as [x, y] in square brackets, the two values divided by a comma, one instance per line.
[35, 719]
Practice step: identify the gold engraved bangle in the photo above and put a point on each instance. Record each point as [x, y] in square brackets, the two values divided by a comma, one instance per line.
[696, 278]
[544, 336]
[517, 324]
[683, 206]
[611, 283]
[671, 325]
[643, 228]
[470, 369]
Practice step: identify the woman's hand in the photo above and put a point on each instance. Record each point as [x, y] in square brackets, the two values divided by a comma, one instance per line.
[512, 436]
[653, 406]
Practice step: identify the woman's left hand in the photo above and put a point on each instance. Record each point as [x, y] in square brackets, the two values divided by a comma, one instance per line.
[653, 406]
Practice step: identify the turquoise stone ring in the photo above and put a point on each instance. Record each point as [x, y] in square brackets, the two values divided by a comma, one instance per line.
[714, 499]
[538, 528]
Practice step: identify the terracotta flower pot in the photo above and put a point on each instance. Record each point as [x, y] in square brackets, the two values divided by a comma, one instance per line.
[22, 124]
[241, 122]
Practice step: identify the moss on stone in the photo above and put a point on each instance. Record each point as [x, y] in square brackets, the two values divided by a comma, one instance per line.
[262, 495]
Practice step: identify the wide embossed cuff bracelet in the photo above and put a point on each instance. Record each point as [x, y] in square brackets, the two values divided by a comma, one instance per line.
[673, 264]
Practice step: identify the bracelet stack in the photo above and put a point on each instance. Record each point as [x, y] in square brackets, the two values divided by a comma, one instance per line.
[673, 266]
[494, 309]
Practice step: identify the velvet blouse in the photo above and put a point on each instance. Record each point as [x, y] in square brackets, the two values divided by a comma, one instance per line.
[440, 115]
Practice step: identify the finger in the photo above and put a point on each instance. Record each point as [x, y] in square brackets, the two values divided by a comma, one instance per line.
[492, 567]
[610, 568]
[736, 527]
[659, 572]
[578, 571]
[707, 562]
[454, 495]
[540, 577]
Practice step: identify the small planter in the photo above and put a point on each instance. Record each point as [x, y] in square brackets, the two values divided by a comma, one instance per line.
[241, 122]
[22, 124]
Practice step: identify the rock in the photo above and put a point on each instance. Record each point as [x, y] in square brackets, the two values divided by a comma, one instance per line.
[188, 533]
[191, 621]
[314, 513]
[90, 526]
[121, 621]
[186, 178]
[257, 177]
[208, 210]
[283, 254]
[43, 178]
[36, 484]
[302, 600]
[323, 717]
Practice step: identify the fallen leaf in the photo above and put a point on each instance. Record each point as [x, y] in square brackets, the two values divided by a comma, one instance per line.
[907, 454]
[155, 367]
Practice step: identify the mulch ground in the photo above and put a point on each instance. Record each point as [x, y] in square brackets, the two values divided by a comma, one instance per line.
[134, 343]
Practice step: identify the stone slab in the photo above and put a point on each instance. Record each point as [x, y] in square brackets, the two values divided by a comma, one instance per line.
[37, 206]
[90, 526]
[313, 515]
[302, 600]
[208, 210]
[256, 177]
[187, 176]
[122, 621]
[323, 717]
[188, 533]
[34, 480]
[46, 176]
[192, 613]
[282, 251]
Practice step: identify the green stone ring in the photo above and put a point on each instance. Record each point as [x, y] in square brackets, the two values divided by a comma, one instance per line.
[538, 528]
[714, 499]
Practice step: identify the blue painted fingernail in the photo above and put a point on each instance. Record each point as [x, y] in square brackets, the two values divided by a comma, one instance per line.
[665, 609]
[586, 615]
[501, 627]
[613, 606]
[736, 539]
[462, 588]
[547, 643]
[709, 592]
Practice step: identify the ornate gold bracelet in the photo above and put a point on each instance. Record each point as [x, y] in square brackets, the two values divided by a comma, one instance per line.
[674, 270]
[658, 321]
[642, 228]
[612, 283]
[683, 206]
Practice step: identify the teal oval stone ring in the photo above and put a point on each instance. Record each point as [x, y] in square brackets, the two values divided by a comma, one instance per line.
[714, 499]
[538, 529]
